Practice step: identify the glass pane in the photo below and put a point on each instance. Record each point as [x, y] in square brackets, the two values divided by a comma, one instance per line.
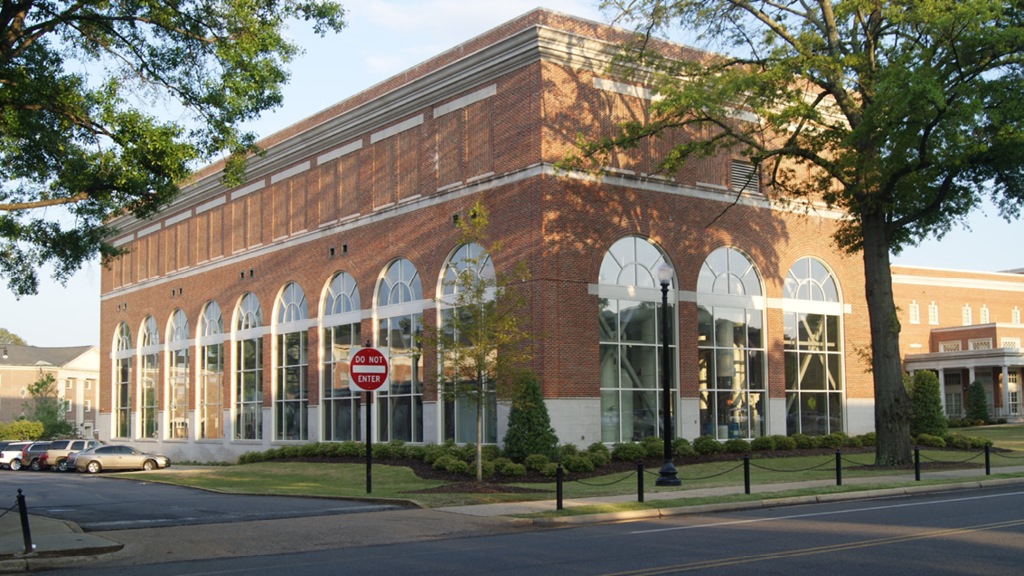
[792, 413]
[609, 416]
[466, 418]
[637, 322]
[730, 329]
[832, 333]
[609, 273]
[812, 331]
[726, 373]
[733, 406]
[707, 414]
[789, 331]
[812, 371]
[706, 368]
[609, 356]
[608, 319]
[644, 415]
[671, 369]
[758, 414]
[671, 322]
[401, 418]
[754, 329]
[400, 375]
[639, 367]
[835, 372]
[813, 414]
[382, 333]
[705, 337]
[792, 369]
[755, 370]
[835, 412]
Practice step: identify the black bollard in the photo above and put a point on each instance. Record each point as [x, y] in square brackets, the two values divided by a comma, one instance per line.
[839, 468]
[558, 486]
[988, 463]
[917, 463]
[746, 473]
[24, 523]
[639, 480]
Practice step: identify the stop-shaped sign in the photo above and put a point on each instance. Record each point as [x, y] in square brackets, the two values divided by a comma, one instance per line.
[368, 370]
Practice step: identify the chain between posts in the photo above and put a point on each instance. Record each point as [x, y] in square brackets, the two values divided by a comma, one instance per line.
[626, 477]
[738, 466]
[825, 463]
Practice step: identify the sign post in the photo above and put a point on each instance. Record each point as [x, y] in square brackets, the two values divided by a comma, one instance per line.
[368, 371]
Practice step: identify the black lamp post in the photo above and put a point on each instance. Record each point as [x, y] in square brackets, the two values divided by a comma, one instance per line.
[667, 474]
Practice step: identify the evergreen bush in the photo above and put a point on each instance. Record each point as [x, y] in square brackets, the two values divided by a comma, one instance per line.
[930, 440]
[832, 441]
[457, 467]
[551, 470]
[737, 446]
[567, 450]
[599, 448]
[500, 463]
[536, 462]
[762, 443]
[487, 468]
[784, 442]
[578, 463]
[682, 448]
[443, 462]
[707, 445]
[979, 443]
[513, 470]
[868, 439]
[529, 425]
[628, 451]
[927, 416]
[853, 442]
[654, 447]
[977, 404]
[490, 451]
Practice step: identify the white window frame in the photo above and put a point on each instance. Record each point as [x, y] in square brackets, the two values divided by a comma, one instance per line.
[1010, 343]
[983, 315]
[986, 343]
[955, 344]
[88, 406]
[915, 312]
[1015, 315]
[933, 314]
[965, 315]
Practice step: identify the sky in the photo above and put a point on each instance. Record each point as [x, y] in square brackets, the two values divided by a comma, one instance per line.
[382, 39]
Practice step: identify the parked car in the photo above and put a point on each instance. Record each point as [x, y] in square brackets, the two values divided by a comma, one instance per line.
[9, 452]
[56, 456]
[116, 457]
[29, 457]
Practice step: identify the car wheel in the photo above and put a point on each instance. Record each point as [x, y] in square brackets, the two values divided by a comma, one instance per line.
[93, 467]
[149, 465]
[62, 466]
[15, 465]
[35, 466]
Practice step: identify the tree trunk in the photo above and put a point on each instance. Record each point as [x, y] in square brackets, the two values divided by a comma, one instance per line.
[892, 404]
[479, 440]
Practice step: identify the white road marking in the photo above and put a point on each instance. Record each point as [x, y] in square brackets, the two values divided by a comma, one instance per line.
[835, 512]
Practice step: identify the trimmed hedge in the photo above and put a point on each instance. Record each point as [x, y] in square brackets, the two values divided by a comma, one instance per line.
[737, 445]
[707, 445]
[537, 462]
[628, 451]
[682, 448]
[762, 443]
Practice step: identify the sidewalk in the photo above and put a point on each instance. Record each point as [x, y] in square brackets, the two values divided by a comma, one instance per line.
[52, 540]
[511, 508]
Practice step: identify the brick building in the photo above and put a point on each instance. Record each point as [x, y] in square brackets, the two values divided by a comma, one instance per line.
[75, 369]
[227, 326]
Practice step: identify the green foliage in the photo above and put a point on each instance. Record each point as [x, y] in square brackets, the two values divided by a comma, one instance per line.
[80, 82]
[415, 452]
[867, 439]
[853, 442]
[578, 463]
[567, 450]
[977, 404]
[599, 447]
[805, 442]
[930, 440]
[487, 468]
[926, 403]
[22, 430]
[954, 423]
[536, 462]
[707, 445]
[11, 338]
[628, 451]
[490, 452]
[529, 426]
[442, 462]
[433, 452]
[551, 470]
[454, 466]
[513, 470]
[903, 115]
[654, 447]
[978, 443]
[48, 408]
[784, 442]
[762, 443]
[600, 459]
[682, 448]
[954, 440]
[832, 441]
[737, 445]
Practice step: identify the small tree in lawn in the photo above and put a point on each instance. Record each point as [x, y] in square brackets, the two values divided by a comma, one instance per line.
[481, 341]
[977, 403]
[926, 404]
[529, 426]
[48, 408]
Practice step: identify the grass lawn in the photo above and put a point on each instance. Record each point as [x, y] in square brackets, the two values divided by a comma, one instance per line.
[395, 482]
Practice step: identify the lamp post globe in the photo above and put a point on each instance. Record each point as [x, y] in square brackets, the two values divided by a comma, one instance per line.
[667, 474]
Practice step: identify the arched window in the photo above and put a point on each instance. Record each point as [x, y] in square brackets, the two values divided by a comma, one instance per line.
[122, 380]
[731, 349]
[629, 298]
[177, 378]
[290, 400]
[211, 383]
[249, 369]
[813, 342]
[341, 324]
[399, 324]
[468, 262]
[150, 357]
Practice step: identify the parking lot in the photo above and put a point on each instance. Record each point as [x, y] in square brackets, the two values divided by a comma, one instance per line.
[102, 502]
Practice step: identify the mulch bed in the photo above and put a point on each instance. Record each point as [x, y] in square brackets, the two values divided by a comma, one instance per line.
[458, 482]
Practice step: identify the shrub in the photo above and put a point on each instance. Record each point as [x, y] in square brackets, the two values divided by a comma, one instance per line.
[443, 462]
[784, 443]
[551, 470]
[804, 441]
[457, 467]
[579, 463]
[977, 404]
[654, 447]
[867, 439]
[536, 462]
[953, 423]
[954, 440]
[23, 430]
[433, 452]
[310, 450]
[289, 452]
[513, 470]
[567, 450]
[490, 452]
[930, 440]
[926, 416]
[831, 441]
[628, 451]
[250, 457]
[853, 442]
[599, 448]
[1001, 421]
[762, 443]
[415, 452]
[500, 463]
[529, 425]
[599, 459]
[487, 468]
[682, 448]
[737, 445]
[707, 445]
[978, 443]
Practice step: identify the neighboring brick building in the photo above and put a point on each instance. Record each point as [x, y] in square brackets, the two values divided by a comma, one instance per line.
[76, 370]
[226, 327]
[965, 326]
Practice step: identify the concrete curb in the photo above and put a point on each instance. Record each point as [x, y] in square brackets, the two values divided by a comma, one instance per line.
[634, 515]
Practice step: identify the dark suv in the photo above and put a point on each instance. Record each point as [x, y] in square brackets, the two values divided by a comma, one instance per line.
[30, 456]
[56, 456]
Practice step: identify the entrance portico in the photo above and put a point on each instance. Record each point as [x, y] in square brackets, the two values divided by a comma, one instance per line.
[998, 369]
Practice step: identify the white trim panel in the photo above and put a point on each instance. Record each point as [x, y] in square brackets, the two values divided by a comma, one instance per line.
[211, 205]
[396, 129]
[123, 241]
[339, 152]
[297, 169]
[149, 230]
[958, 283]
[259, 185]
[175, 219]
[460, 103]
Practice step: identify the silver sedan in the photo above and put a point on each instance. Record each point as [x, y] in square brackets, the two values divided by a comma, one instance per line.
[116, 457]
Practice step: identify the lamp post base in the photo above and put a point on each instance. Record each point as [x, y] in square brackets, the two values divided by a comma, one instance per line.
[667, 475]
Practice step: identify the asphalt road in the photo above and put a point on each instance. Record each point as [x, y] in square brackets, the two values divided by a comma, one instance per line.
[98, 502]
[968, 532]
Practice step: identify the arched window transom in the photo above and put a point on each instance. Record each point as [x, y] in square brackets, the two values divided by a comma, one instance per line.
[400, 284]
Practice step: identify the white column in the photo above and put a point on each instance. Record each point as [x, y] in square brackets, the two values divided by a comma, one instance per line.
[970, 378]
[1005, 384]
[942, 388]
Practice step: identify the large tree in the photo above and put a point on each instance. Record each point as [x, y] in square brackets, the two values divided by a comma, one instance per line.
[79, 141]
[49, 409]
[482, 341]
[903, 114]
[7, 337]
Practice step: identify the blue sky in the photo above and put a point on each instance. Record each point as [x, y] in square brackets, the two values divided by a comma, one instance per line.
[382, 39]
